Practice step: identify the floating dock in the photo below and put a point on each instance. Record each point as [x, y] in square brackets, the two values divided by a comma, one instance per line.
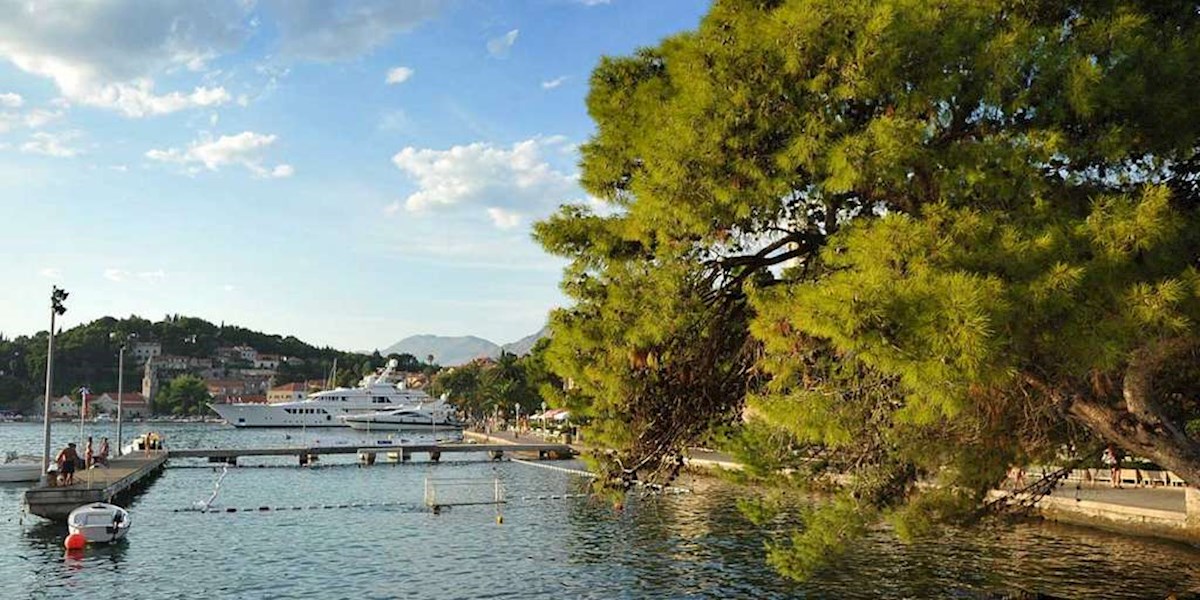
[134, 471]
[405, 451]
[100, 484]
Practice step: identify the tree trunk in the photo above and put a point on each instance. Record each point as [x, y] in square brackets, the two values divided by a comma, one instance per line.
[1141, 433]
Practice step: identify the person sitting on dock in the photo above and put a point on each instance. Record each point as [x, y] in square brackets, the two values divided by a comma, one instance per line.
[66, 464]
[102, 457]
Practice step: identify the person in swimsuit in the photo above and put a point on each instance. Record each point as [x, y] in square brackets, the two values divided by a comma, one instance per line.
[66, 464]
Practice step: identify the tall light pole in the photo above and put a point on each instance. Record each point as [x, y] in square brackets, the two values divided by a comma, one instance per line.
[83, 394]
[121, 384]
[120, 392]
[57, 297]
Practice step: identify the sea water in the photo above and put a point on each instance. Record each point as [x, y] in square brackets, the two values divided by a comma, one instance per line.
[338, 530]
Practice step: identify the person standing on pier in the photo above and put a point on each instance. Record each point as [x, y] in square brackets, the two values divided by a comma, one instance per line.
[88, 456]
[102, 457]
[1112, 458]
[66, 464]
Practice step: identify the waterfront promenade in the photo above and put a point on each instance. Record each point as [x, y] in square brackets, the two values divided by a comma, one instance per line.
[1157, 511]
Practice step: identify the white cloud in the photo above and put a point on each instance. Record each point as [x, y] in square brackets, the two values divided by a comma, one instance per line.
[33, 119]
[329, 30]
[399, 75]
[39, 117]
[51, 273]
[152, 276]
[506, 182]
[504, 219]
[11, 100]
[500, 46]
[245, 149]
[553, 83]
[121, 275]
[106, 54]
[393, 120]
[52, 144]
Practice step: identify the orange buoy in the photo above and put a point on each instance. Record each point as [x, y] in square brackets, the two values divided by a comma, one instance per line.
[75, 541]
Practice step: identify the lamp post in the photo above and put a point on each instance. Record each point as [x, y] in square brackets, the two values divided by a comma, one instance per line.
[57, 297]
[121, 388]
[83, 395]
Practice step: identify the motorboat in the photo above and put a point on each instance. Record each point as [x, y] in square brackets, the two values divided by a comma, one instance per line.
[381, 391]
[20, 468]
[146, 442]
[425, 416]
[99, 522]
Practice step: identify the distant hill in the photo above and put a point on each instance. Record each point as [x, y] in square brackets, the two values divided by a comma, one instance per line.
[457, 350]
[525, 344]
[446, 351]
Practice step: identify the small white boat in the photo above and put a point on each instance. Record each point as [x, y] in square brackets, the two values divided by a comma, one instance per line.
[20, 468]
[99, 522]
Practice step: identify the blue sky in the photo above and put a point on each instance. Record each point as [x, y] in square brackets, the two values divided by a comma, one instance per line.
[348, 172]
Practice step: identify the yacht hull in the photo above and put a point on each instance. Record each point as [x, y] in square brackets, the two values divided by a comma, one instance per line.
[269, 415]
[363, 425]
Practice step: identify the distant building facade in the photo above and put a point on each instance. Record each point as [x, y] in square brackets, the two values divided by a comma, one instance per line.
[144, 351]
[133, 404]
[64, 406]
[267, 361]
[291, 392]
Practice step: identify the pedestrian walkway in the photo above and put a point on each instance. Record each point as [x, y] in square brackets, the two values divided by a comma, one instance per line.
[1157, 498]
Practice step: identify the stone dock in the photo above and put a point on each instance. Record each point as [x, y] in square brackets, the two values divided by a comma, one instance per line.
[1162, 510]
[114, 483]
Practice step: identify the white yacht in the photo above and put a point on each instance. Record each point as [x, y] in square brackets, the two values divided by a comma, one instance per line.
[374, 393]
[425, 416]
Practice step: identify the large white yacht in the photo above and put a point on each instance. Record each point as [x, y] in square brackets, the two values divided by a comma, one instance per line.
[426, 416]
[374, 393]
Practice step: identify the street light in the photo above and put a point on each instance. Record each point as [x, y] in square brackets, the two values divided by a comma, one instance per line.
[57, 297]
[121, 384]
[83, 396]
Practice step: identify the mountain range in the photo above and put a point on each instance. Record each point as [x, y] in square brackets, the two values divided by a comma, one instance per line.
[457, 350]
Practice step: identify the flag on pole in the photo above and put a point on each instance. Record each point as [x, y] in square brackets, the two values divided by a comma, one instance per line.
[83, 406]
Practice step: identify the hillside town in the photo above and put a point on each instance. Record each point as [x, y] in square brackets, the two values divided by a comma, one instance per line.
[233, 374]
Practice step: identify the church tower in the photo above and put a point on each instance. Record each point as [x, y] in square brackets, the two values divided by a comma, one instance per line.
[150, 383]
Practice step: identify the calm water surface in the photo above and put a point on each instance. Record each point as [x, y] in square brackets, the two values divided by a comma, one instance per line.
[685, 546]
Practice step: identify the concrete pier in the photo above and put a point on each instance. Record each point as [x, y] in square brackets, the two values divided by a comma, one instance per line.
[110, 484]
[404, 451]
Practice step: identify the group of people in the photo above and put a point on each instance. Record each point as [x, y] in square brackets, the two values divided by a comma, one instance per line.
[68, 460]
